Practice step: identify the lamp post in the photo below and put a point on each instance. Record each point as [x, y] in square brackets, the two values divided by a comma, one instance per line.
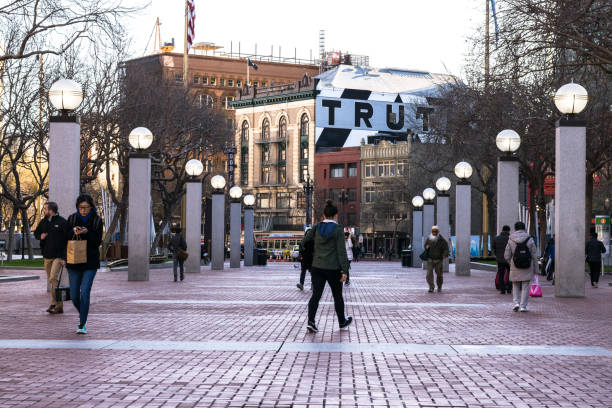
[218, 222]
[139, 205]
[235, 217]
[570, 183]
[417, 230]
[64, 144]
[193, 214]
[463, 218]
[443, 184]
[249, 229]
[308, 187]
[508, 142]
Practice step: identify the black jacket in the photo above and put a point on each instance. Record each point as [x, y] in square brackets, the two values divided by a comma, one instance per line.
[307, 253]
[54, 245]
[499, 246]
[177, 241]
[594, 249]
[93, 236]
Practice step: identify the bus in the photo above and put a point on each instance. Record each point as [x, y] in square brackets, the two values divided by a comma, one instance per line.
[279, 244]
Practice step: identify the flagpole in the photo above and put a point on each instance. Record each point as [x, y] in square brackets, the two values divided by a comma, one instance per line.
[186, 50]
[247, 65]
[487, 46]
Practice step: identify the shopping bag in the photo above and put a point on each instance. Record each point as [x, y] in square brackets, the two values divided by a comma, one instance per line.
[536, 289]
[182, 255]
[76, 251]
[62, 293]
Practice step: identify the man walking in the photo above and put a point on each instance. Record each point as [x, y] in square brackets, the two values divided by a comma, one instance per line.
[50, 232]
[521, 253]
[503, 268]
[306, 255]
[594, 249]
[437, 248]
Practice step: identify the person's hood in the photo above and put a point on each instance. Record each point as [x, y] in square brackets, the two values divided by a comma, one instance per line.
[326, 229]
[519, 236]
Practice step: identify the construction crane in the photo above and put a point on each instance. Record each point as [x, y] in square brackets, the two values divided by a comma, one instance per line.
[158, 48]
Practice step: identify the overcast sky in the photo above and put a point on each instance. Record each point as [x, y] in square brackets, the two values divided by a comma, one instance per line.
[426, 35]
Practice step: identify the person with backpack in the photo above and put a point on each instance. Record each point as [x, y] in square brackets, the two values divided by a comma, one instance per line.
[306, 254]
[329, 264]
[502, 279]
[521, 254]
[594, 248]
[177, 244]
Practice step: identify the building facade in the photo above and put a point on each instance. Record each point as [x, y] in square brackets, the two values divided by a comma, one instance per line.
[337, 178]
[275, 141]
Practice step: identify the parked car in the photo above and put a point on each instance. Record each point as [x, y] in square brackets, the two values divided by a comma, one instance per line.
[295, 252]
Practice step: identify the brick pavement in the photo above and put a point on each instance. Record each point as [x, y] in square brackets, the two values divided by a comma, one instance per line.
[260, 307]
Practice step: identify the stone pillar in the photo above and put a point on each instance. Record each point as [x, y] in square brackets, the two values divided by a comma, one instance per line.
[463, 221]
[193, 225]
[64, 162]
[249, 229]
[507, 192]
[443, 220]
[570, 179]
[218, 231]
[235, 230]
[428, 221]
[417, 236]
[139, 217]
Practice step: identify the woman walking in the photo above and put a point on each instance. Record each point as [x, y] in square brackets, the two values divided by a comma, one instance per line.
[87, 225]
[330, 264]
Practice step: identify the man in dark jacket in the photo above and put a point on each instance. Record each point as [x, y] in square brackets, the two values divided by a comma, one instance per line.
[437, 248]
[306, 255]
[177, 242]
[50, 233]
[503, 268]
[594, 249]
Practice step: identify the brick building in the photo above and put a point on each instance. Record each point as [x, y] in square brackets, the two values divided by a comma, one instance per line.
[337, 177]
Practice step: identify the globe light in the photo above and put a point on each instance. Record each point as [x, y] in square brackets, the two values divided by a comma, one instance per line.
[443, 184]
[140, 138]
[218, 182]
[235, 192]
[194, 167]
[571, 98]
[429, 194]
[417, 201]
[65, 94]
[249, 200]
[508, 141]
[463, 170]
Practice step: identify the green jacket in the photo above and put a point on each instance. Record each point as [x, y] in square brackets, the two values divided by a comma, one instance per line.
[329, 249]
[438, 248]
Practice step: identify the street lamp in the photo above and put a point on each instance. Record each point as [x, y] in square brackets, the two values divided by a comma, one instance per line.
[570, 190]
[428, 211]
[64, 95]
[249, 229]
[429, 194]
[508, 142]
[308, 188]
[463, 218]
[235, 193]
[193, 214]
[218, 222]
[417, 230]
[443, 184]
[139, 206]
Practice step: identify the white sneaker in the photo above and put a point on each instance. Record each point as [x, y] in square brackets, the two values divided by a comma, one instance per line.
[516, 307]
[523, 309]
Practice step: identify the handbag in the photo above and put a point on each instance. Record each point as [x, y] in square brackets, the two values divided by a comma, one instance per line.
[76, 251]
[181, 254]
[424, 255]
[62, 293]
[536, 289]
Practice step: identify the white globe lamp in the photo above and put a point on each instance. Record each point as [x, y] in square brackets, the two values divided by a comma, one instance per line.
[571, 99]
[235, 192]
[417, 201]
[194, 168]
[429, 194]
[463, 170]
[218, 182]
[508, 141]
[65, 94]
[249, 200]
[443, 184]
[140, 138]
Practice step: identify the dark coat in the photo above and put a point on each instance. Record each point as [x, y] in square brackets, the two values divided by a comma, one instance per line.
[177, 241]
[499, 246]
[93, 236]
[54, 245]
[306, 253]
[594, 249]
[438, 247]
[329, 248]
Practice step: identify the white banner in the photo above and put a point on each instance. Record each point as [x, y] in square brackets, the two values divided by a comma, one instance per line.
[363, 114]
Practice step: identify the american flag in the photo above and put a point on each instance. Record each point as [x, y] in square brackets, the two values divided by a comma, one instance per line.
[190, 22]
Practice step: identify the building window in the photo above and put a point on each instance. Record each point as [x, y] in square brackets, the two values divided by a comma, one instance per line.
[213, 80]
[282, 175]
[352, 170]
[370, 169]
[265, 175]
[370, 194]
[303, 173]
[324, 174]
[336, 171]
[304, 152]
[196, 79]
[209, 101]
[304, 126]
[265, 129]
[178, 77]
[227, 100]
[265, 154]
[238, 83]
[351, 194]
[402, 167]
[263, 200]
[244, 131]
[386, 168]
[282, 151]
[204, 80]
[301, 200]
[351, 219]
[230, 82]
[282, 128]
[222, 82]
[283, 200]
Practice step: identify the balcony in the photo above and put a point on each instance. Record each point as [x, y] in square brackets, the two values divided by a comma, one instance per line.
[271, 140]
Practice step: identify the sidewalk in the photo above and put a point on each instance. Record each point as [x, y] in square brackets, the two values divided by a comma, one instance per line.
[236, 338]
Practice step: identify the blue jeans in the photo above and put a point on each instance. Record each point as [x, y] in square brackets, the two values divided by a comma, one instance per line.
[80, 288]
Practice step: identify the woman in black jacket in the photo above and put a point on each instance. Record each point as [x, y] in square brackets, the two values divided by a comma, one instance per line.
[85, 224]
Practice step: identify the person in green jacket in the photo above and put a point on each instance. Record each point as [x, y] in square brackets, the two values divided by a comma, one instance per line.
[330, 264]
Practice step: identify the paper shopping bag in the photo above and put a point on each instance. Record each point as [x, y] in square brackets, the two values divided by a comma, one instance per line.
[536, 289]
[76, 252]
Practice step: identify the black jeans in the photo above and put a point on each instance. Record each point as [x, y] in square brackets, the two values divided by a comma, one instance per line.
[348, 272]
[319, 277]
[177, 263]
[595, 268]
[501, 272]
[305, 267]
